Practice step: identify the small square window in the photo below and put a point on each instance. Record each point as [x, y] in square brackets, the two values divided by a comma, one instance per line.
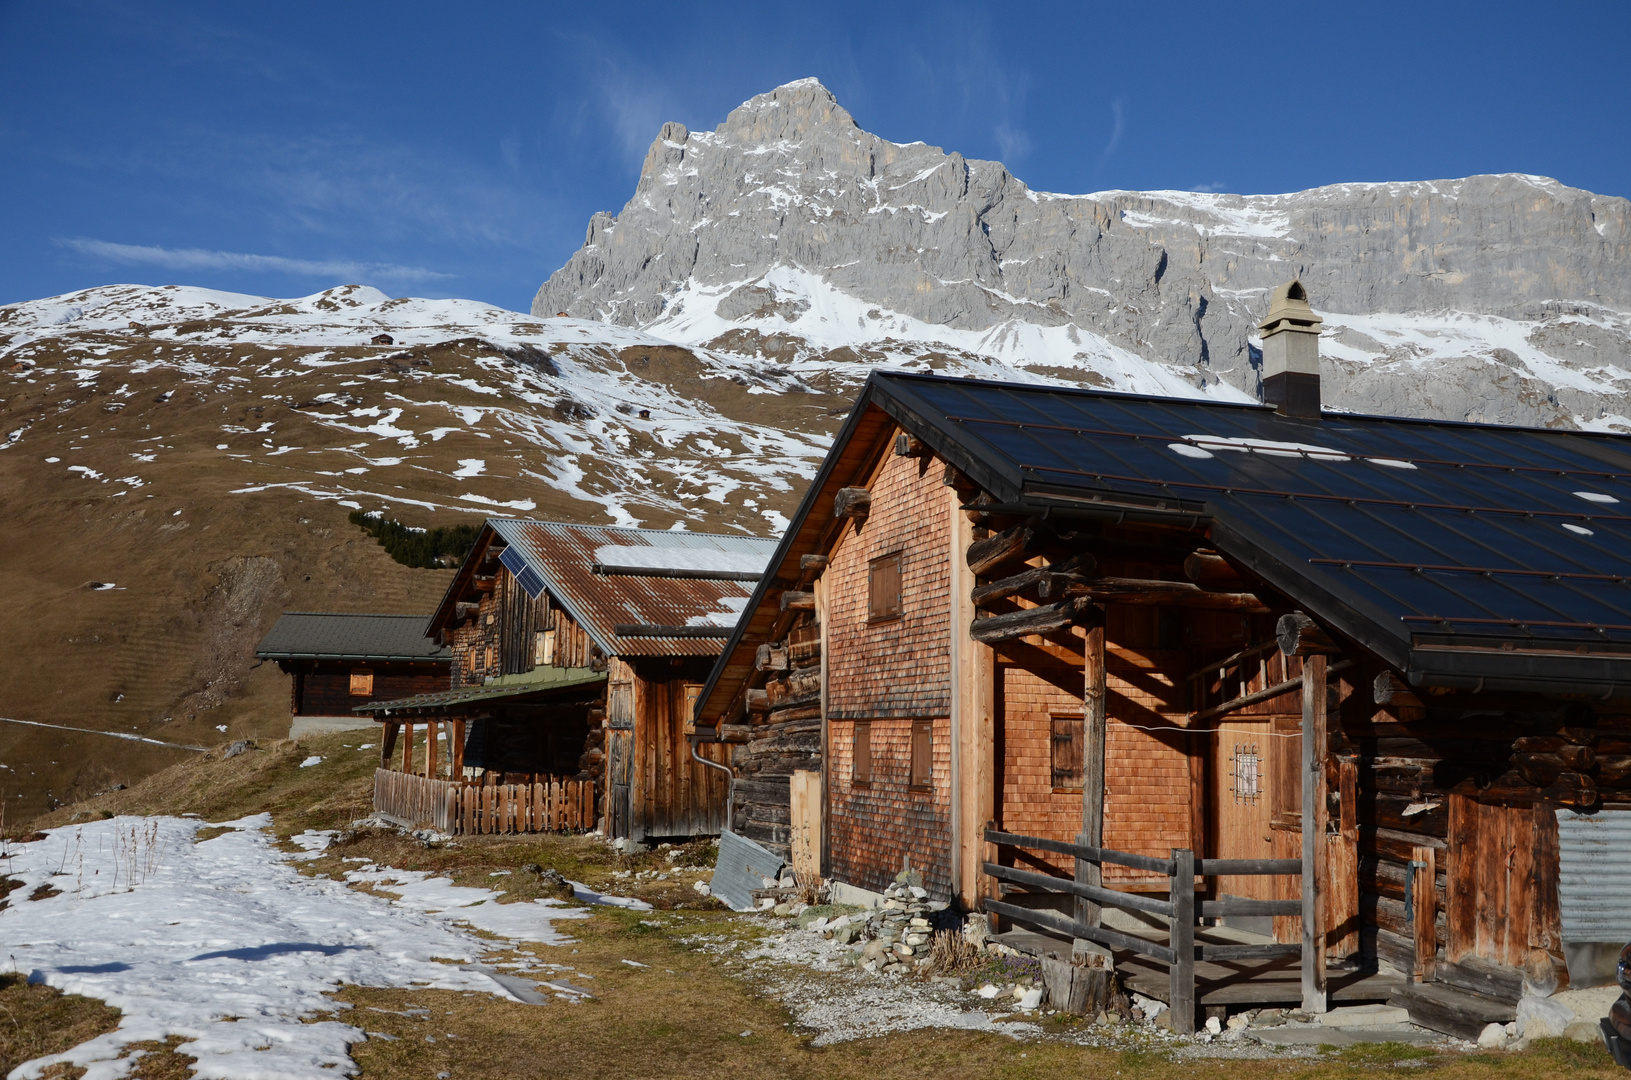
[362, 682]
[861, 758]
[883, 588]
[1065, 752]
[922, 754]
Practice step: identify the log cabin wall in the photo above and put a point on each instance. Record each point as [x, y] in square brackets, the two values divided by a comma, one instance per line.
[781, 738]
[323, 688]
[508, 632]
[670, 794]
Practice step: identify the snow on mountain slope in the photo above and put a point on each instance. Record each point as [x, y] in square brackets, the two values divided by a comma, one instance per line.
[790, 232]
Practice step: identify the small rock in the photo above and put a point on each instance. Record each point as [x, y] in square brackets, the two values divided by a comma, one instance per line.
[239, 747]
[1493, 1037]
[702, 887]
[1031, 999]
[1269, 1018]
[1237, 1021]
[531, 868]
[782, 910]
[919, 892]
[988, 991]
[1214, 1026]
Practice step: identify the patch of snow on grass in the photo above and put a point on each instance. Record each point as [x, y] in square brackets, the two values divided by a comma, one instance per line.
[225, 944]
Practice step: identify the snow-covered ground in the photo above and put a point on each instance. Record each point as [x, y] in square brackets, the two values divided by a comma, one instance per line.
[224, 943]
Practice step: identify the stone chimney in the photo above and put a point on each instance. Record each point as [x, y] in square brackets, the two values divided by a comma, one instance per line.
[1291, 353]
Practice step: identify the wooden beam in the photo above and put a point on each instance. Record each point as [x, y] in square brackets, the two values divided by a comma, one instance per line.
[852, 502]
[1040, 582]
[1423, 912]
[458, 749]
[1315, 813]
[758, 701]
[1213, 571]
[1389, 689]
[1037, 620]
[387, 743]
[1301, 636]
[1165, 593]
[1094, 722]
[812, 564]
[796, 600]
[432, 729]
[1181, 940]
[910, 446]
[770, 658]
[1011, 544]
[407, 748]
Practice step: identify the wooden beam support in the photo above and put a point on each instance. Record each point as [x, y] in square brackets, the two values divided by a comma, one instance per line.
[1037, 620]
[432, 730]
[407, 748]
[797, 600]
[457, 749]
[852, 502]
[910, 446]
[1213, 572]
[387, 743]
[1094, 723]
[1315, 813]
[770, 658]
[1165, 593]
[1041, 582]
[758, 701]
[1301, 636]
[986, 555]
[1389, 689]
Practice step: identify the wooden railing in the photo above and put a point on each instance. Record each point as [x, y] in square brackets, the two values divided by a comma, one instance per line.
[1180, 908]
[552, 805]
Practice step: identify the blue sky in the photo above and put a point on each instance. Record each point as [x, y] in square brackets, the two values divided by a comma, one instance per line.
[459, 149]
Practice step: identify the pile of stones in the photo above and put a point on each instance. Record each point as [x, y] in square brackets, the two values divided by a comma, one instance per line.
[893, 938]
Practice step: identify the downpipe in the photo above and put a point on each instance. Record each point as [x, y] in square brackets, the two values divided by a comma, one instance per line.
[730, 784]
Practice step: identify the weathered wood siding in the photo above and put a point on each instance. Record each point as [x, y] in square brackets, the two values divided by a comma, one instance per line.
[323, 688]
[877, 826]
[896, 667]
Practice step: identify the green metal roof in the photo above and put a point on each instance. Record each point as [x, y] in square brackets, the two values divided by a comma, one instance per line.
[543, 680]
[334, 635]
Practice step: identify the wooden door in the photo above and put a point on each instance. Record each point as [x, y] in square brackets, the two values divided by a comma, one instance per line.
[620, 748]
[1242, 801]
[1501, 895]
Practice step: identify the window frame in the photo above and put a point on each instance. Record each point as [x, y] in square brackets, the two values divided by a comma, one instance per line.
[921, 750]
[860, 762]
[873, 613]
[1078, 741]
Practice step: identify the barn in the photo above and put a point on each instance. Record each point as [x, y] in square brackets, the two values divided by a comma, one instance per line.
[1263, 703]
[577, 653]
[337, 660]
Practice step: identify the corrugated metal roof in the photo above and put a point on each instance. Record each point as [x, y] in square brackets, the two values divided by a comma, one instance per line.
[562, 558]
[333, 635]
[1594, 875]
[543, 680]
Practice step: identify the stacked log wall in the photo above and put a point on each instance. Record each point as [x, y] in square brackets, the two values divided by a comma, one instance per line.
[782, 740]
[325, 688]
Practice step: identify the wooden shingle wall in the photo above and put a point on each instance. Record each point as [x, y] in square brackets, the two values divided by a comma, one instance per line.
[875, 828]
[896, 667]
[1030, 804]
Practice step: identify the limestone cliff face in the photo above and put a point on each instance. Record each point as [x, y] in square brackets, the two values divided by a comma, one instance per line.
[1490, 297]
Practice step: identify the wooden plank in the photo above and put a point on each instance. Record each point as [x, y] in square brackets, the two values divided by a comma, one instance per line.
[1342, 905]
[1181, 941]
[1100, 854]
[1423, 913]
[1314, 747]
[1059, 924]
[805, 825]
[458, 750]
[387, 743]
[407, 748]
[1089, 872]
[432, 730]
[1102, 896]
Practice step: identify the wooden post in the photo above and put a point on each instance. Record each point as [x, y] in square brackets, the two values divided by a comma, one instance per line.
[1314, 845]
[1181, 939]
[387, 743]
[1094, 721]
[407, 748]
[1423, 912]
[973, 729]
[431, 731]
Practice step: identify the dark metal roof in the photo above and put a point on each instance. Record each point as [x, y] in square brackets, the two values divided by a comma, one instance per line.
[333, 635]
[563, 559]
[544, 681]
[1464, 555]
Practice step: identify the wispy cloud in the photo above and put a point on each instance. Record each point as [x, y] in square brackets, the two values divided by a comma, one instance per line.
[203, 259]
[1208, 189]
[1118, 125]
[1013, 143]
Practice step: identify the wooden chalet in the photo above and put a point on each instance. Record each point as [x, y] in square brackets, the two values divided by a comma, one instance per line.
[1272, 704]
[337, 660]
[577, 654]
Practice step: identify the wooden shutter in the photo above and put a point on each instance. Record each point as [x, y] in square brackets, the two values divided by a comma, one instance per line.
[1065, 752]
[362, 682]
[883, 587]
[861, 765]
[922, 753]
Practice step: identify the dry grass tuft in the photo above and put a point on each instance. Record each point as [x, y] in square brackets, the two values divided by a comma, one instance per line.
[36, 1021]
[952, 953]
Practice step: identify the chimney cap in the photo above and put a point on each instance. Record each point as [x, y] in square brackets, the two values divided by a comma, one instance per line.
[1289, 310]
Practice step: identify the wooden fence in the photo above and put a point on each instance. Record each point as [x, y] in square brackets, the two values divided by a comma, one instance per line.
[1180, 909]
[552, 805]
